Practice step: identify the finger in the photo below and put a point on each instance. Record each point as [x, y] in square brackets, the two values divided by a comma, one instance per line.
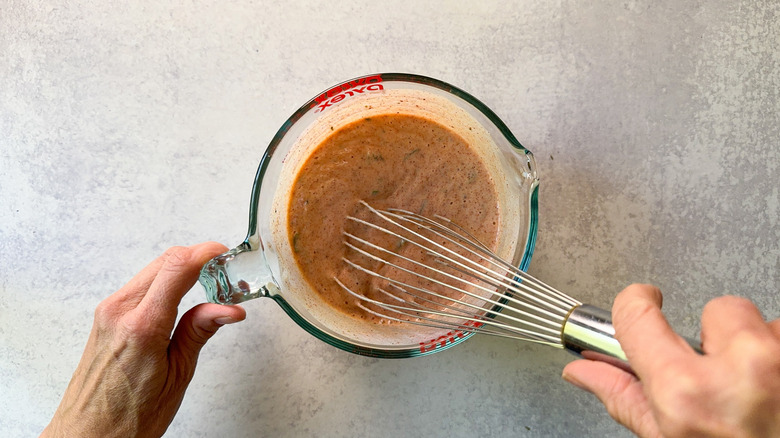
[619, 391]
[133, 292]
[644, 334]
[195, 328]
[723, 317]
[176, 276]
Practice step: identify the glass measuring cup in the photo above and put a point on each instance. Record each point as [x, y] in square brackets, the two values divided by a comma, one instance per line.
[260, 266]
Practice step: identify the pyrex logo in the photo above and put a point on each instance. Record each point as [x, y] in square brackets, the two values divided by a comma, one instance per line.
[347, 89]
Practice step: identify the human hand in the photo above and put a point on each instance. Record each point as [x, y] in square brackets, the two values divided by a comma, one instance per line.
[733, 390]
[136, 366]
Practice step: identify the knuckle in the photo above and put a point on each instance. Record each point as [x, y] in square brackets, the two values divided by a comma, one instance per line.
[141, 329]
[636, 290]
[759, 355]
[199, 335]
[177, 256]
[631, 314]
[676, 390]
[677, 381]
[105, 313]
[134, 327]
[635, 301]
[102, 309]
[730, 302]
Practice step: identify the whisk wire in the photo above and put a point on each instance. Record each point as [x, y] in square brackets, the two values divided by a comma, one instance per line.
[435, 281]
[561, 306]
[472, 244]
[554, 330]
[467, 322]
[475, 318]
[457, 266]
[509, 302]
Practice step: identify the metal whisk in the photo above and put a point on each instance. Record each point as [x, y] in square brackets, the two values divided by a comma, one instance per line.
[461, 285]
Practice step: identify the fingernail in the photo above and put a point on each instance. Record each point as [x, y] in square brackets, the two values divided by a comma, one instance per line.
[222, 320]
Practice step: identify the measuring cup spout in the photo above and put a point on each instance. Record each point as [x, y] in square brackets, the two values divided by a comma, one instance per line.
[238, 275]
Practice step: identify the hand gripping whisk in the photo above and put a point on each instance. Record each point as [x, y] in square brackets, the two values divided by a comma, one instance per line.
[456, 283]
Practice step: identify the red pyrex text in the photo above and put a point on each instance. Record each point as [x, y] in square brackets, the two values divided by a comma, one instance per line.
[347, 89]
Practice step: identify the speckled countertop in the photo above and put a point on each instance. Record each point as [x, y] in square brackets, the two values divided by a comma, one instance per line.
[126, 128]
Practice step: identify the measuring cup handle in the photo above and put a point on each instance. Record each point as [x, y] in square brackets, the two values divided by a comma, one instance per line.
[236, 276]
[588, 332]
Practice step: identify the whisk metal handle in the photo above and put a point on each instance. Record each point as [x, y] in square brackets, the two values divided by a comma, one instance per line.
[588, 332]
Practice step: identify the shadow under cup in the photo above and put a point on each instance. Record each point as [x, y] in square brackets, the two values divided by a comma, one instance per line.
[263, 264]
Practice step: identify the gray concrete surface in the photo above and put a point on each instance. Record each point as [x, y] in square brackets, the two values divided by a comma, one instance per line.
[126, 128]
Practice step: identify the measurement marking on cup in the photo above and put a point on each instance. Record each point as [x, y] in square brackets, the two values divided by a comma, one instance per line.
[450, 337]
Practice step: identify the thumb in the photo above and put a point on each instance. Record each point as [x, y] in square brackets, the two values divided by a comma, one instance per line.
[196, 327]
[620, 392]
